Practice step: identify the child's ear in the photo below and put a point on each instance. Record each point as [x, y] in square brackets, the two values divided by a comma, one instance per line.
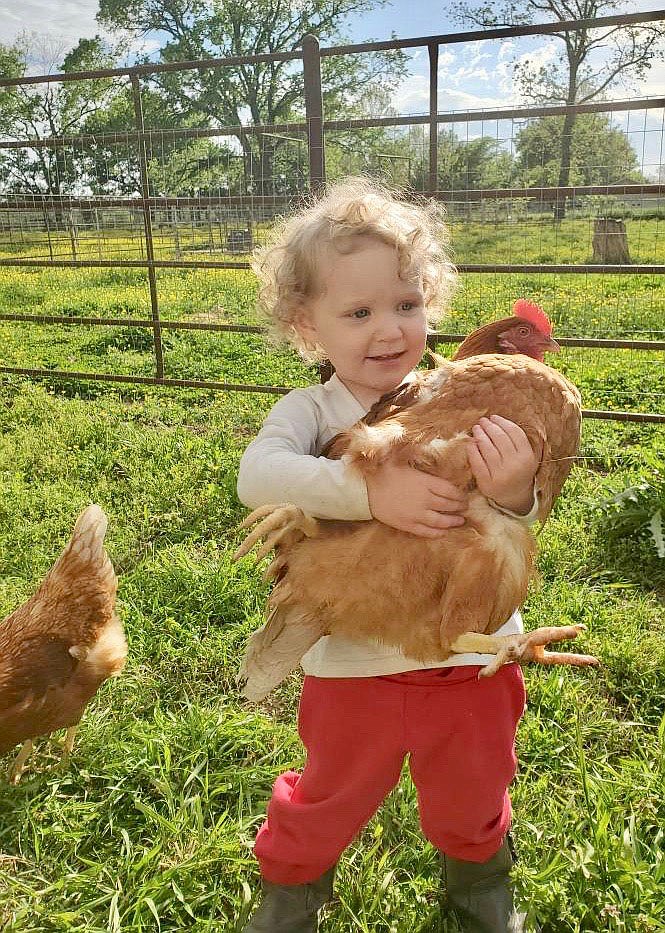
[302, 321]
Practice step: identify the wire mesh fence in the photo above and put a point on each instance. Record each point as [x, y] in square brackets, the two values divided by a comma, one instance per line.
[126, 252]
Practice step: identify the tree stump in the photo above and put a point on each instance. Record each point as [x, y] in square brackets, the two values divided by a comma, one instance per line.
[610, 242]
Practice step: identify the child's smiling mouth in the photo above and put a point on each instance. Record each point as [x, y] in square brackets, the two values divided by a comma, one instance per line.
[386, 357]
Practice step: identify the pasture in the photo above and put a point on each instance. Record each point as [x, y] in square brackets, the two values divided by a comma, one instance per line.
[150, 828]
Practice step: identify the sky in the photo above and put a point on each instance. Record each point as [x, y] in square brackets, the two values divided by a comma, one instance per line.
[468, 73]
[471, 76]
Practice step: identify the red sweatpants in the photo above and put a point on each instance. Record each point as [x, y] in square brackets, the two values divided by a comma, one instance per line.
[459, 732]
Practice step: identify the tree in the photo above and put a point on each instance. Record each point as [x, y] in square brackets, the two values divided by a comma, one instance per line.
[473, 163]
[265, 92]
[463, 164]
[595, 59]
[41, 111]
[599, 153]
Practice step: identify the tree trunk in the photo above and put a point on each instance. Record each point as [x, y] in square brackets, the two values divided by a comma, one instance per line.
[610, 242]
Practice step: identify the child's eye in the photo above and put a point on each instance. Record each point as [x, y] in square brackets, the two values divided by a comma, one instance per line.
[360, 313]
[407, 306]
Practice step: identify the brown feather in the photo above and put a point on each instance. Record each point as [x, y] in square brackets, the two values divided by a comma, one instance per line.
[483, 340]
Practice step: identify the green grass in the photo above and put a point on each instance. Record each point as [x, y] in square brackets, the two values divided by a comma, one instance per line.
[592, 305]
[150, 828]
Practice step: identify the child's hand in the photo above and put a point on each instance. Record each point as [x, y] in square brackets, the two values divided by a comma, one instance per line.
[408, 499]
[503, 463]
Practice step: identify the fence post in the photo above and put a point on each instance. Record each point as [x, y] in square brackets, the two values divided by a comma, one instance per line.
[311, 61]
[147, 224]
[433, 50]
[48, 233]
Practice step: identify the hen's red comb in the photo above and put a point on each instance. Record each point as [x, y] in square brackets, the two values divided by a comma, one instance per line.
[534, 314]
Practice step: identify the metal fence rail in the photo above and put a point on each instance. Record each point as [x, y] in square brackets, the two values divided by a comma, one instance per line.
[145, 208]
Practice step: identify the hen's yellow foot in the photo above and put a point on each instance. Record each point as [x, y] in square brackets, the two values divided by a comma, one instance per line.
[526, 646]
[18, 765]
[276, 523]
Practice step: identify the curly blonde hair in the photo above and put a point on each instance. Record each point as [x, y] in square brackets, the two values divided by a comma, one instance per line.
[287, 266]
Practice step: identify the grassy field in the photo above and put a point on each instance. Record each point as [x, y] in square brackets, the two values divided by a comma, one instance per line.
[151, 826]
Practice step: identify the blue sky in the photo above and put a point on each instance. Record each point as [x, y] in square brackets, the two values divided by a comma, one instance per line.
[466, 69]
[71, 18]
[420, 18]
[471, 76]
[474, 71]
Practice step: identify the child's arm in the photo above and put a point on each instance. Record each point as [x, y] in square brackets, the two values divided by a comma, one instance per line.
[504, 465]
[280, 466]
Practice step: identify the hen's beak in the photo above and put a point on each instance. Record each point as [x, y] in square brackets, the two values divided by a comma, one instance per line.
[551, 346]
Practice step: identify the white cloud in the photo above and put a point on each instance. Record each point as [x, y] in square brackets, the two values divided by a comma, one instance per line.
[64, 20]
[412, 95]
[467, 80]
[506, 49]
[466, 75]
[653, 84]
[463, 100]
[541, 56]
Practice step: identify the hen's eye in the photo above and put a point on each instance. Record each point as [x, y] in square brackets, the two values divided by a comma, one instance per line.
[524, 331]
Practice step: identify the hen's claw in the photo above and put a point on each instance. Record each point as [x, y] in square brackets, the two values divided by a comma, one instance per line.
[527, 646]
[276, 523]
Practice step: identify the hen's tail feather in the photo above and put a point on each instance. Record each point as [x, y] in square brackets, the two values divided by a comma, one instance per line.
[89, 532]
[275, 650]
[87, 545]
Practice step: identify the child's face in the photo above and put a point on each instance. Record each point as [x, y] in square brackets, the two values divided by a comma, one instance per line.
[370, 322]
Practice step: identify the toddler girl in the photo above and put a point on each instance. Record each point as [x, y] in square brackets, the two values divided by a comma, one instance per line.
[356, 278]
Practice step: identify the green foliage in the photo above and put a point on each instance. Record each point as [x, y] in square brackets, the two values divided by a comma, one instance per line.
[631, 526]
[272, 92]
[600, 154]
[44, 110]
[467, 164]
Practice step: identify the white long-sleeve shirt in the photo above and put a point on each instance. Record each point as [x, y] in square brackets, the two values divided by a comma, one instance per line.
[282, 465]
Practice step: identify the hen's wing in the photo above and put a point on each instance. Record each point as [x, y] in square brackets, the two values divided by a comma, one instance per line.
[399, 399]
[289, 632]
[533, 395]
[59, 646]
[275, 650]
[562, 421]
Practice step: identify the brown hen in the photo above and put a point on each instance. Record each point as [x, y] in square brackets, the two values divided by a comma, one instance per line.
[430, 597]
[61, 645]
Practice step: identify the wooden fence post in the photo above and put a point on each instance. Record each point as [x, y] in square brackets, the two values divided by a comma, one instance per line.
[311, 61]
[433, 51]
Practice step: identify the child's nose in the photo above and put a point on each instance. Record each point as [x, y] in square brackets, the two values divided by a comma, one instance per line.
[389, 328]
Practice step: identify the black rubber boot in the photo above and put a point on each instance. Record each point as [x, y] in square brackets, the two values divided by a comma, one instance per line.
[481, 893]
[291, 908]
